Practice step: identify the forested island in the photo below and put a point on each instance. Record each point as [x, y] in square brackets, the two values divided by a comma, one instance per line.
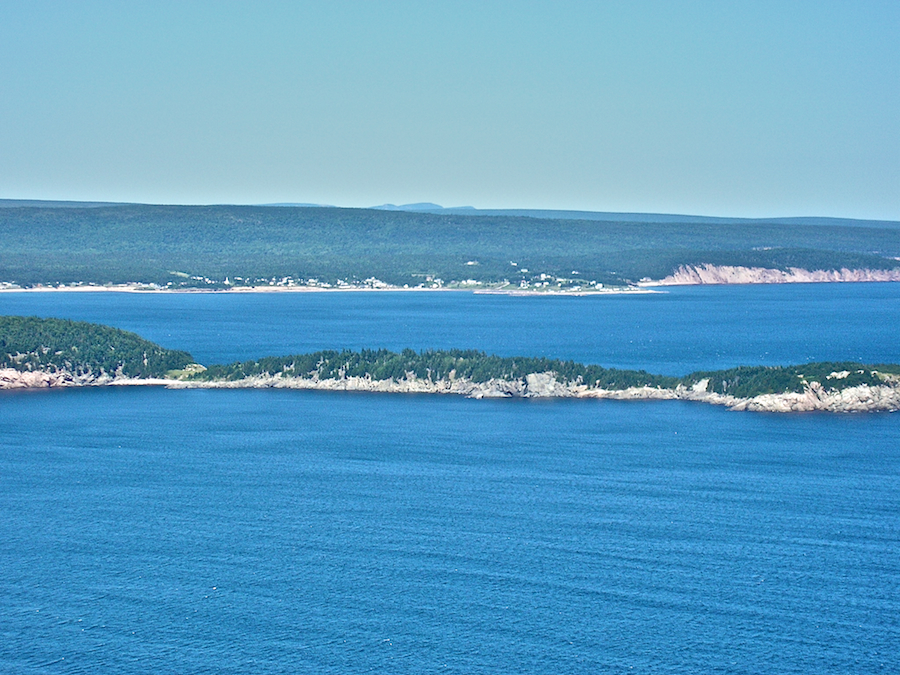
[292, 247]
[82, 350]
[50, 353]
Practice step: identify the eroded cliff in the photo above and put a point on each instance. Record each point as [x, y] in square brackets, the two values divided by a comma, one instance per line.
[690, 275]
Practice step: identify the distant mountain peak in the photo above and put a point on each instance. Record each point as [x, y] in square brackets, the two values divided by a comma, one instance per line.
[298, 204]
[419, 206]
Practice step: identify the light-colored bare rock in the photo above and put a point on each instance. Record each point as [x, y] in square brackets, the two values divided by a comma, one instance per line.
[815, 397]
[11, 378]
[15, 379]
[691, 275]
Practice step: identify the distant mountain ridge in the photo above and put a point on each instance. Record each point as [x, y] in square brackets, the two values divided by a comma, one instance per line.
[53, 204]
[546, 214]
[615, 216]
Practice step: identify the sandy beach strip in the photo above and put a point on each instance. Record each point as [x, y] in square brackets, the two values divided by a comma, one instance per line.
[142, 288]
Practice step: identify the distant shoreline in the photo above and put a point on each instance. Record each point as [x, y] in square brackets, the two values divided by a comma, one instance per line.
[685, 275]
[141, 288]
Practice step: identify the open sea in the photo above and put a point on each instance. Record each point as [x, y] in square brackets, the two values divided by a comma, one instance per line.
[277, 531]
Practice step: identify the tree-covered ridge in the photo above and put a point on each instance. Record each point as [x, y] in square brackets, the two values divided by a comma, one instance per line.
[476, 366]
[432, 365]
[187, 246]
[80, 348]
[749, 381]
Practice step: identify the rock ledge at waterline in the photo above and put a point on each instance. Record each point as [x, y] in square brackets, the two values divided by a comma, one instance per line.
[815, 397]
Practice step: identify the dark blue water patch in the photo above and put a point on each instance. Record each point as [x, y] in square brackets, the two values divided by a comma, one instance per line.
[676, 332]
[283, 531]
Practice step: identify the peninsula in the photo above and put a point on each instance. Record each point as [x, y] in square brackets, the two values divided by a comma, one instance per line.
[50, 353]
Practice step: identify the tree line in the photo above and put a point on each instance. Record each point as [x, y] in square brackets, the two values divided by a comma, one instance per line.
[476, 366]
[148, 243]
[32, 343]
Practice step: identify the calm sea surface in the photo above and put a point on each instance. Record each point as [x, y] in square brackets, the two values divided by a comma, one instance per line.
[271, 531]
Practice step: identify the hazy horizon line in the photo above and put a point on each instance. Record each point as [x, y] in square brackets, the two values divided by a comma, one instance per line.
[429, 207]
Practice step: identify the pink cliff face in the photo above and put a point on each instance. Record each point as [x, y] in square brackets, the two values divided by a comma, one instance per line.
[690, 275]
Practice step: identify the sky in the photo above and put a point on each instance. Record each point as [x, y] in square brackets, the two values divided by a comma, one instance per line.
[743, 108]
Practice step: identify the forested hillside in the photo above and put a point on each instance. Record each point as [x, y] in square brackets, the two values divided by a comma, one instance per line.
[742, 382]
[185, 246]
[31, 343]
[749, 381]
[434, 365]
[79, 348]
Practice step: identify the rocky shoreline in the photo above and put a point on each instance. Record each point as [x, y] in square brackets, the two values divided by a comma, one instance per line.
[863, 398]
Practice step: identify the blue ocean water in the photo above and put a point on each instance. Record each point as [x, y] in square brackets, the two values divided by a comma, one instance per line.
[681, 330]
[285, 531]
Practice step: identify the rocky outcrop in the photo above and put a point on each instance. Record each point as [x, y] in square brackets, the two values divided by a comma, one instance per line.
[815, 397]
[692, 275]
[545, 385]
[535, 385]
[853, 399]
[11, 378]
[15, 379]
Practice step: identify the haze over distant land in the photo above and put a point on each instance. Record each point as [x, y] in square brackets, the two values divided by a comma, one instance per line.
[428, 207]
[740, 109]
[554, 214]
[426, 247]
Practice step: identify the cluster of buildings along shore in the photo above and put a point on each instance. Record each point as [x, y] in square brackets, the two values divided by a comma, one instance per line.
[685, 275]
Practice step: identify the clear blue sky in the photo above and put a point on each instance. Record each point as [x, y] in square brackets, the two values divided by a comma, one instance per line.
[749, 108]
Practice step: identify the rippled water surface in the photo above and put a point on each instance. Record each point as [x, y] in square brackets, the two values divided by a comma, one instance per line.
[673, 333]
[286, 531]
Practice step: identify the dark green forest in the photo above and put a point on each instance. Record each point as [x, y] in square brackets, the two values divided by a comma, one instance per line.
[190, 246]
[744, 381]
[749, 381]
[31, 343]
[432, 365]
